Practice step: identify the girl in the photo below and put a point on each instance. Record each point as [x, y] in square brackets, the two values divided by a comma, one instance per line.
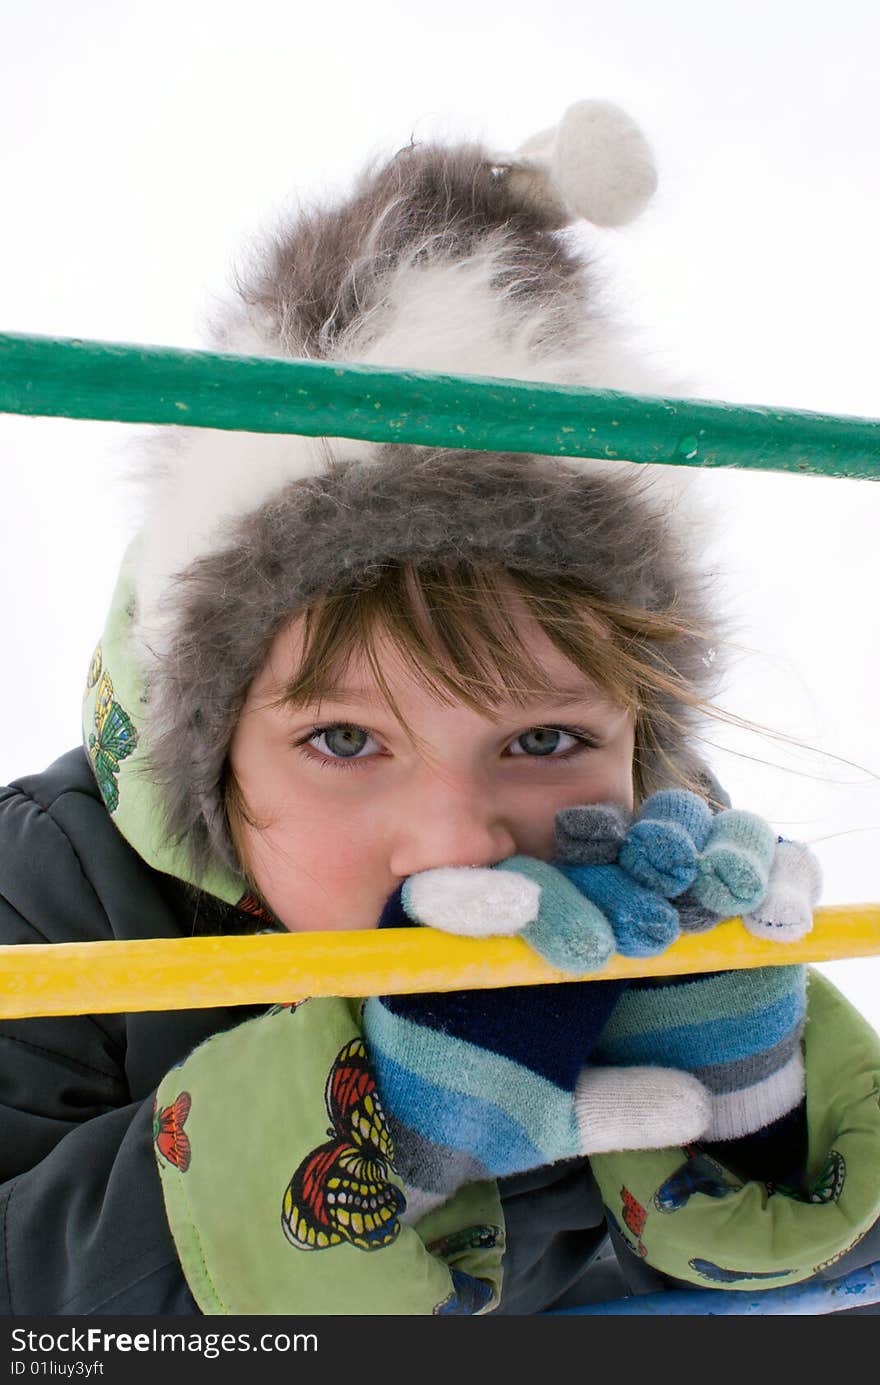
[329, 667]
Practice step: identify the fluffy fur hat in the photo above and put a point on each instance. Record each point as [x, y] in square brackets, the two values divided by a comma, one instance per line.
[443, 258]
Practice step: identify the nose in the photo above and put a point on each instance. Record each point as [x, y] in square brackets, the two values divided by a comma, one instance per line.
[450, 824]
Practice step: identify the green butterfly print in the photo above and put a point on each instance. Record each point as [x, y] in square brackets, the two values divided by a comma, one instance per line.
[114, 739]
[825, 1187]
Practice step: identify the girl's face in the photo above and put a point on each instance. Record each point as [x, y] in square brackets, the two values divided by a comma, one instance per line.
[346, 806]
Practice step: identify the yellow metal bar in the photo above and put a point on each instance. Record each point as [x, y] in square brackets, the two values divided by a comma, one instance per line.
[195, 973]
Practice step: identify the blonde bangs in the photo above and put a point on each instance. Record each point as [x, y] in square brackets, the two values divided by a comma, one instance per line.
[454, 629]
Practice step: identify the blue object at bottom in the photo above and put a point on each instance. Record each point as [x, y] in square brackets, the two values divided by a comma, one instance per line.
[858, 1289]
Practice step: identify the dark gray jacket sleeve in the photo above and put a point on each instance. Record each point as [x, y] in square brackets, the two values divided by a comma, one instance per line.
[83, 1224]
[82, 1220]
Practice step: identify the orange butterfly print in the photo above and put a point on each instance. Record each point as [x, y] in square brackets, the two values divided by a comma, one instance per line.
[171, 1139]
[341, 1192]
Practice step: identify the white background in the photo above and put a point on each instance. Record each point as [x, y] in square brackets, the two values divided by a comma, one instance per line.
[143, 145]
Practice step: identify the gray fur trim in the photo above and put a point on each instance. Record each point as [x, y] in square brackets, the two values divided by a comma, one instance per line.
[414, 505]
[507, 293]
[328, 272]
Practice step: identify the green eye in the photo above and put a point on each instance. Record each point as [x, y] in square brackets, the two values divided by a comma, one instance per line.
[346, 741]
[540, 740]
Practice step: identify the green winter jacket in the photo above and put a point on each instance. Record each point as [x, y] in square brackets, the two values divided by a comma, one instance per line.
[277, 1165]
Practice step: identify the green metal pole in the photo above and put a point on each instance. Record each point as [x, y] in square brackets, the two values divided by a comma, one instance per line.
[135, 384]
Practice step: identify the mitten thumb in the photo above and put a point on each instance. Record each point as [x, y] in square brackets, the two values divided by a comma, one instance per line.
[639, 1108]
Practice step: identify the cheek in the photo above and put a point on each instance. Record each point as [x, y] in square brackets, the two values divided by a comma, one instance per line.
[606, 776]
[317, 874]
[617, 783]
[619, 770]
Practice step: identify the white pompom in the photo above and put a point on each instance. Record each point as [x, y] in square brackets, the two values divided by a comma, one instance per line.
[595, 164]
[602, 163]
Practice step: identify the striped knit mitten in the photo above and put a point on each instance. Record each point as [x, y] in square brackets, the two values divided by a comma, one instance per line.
[711, 867]
[739, 1032]
[464, 1074]
[631, 868]
[747, 1051]
[662, 848]
[480, 1084]
[658, 852]
[785, 914]
[745, 1041]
